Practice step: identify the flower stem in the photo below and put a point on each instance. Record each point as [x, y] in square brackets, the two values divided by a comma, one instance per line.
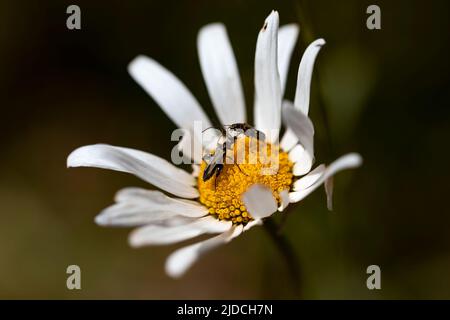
[288, 252]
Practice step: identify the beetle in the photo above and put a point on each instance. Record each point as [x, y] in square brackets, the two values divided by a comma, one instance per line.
[230, 134]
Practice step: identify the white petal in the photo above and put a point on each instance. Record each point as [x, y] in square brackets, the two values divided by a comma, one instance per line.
[300, 125]
[251, 224]
[182, 259]
[130, 215]
[136, 206]
[259, 201]
[296, 153]
[302, 160]
[210, 138]
[284, 197]
[175, 221]
[169, 92]
[304, 76]
[191, 147]
[195, 170]
[221, 73]
[289, 140]
[146, 166]
[159, 201]
[351, 160]
[287, 37]
[302, 93]
[267, 80]
[303, 164]
[309, 179]
[157, 235]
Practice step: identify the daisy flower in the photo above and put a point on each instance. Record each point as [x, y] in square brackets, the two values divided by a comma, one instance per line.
[242, 196]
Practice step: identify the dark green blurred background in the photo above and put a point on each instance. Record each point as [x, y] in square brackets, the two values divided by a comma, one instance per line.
[385, 94]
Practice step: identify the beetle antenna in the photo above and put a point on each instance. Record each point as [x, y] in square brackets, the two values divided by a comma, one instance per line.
[207, 129]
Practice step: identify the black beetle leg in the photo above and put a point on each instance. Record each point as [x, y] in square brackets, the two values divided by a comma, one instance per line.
[218, 171]
[239, 167]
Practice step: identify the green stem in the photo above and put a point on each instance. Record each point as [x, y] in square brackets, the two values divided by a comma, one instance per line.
[288, 252]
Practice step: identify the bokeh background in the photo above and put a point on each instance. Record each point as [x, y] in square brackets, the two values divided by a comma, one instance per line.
[382, 93]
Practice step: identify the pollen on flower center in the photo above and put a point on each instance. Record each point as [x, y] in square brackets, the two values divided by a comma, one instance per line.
[260, 162]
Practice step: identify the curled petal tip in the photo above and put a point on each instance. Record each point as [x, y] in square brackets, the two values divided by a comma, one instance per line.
[356, 159]
[273, 17]
[136, 63]
[100, 220]
[320, 42]
[72, 158]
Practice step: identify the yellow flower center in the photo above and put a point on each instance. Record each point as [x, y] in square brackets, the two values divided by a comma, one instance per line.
[259, 162]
